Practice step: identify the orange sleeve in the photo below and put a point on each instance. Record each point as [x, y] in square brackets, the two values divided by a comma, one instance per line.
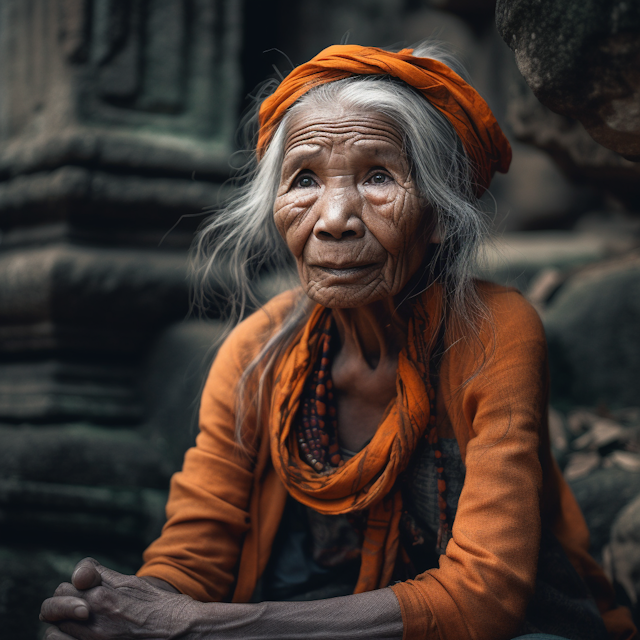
[208, 506]
[487, 577]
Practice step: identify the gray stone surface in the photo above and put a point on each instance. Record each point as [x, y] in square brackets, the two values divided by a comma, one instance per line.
[623, 553]
[581, 60]
[56, 389]
[60, 303]
[122, 118]
[592, 330]
[81, 515]
[581, 158]
[155, 67]
[83, 455]
[467, 8]
[602, 495]
[517, 259]
[124, 289]
[97, 200]
[116, 125]
[174, 375]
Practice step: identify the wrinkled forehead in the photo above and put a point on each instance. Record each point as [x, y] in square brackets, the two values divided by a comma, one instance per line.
[311, 129]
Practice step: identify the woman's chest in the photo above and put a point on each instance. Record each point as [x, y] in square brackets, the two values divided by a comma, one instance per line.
[362, 395]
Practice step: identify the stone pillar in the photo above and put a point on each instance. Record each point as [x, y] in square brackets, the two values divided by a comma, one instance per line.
[116, 119]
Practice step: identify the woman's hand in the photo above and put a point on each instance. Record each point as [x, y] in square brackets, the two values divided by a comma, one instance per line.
[101, 604]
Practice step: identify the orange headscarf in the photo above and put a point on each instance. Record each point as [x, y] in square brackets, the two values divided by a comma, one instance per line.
[368, 480]
[483, 140]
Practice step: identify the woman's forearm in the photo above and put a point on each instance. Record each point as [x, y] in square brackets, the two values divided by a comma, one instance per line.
[368, 616]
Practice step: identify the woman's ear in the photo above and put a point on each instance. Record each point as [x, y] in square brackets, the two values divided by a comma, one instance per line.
[436, 237]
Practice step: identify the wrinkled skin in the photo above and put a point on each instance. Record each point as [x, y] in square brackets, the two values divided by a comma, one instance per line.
[348, 209]
[101, 603]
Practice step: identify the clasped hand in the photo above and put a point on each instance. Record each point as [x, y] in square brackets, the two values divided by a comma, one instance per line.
[101, 604]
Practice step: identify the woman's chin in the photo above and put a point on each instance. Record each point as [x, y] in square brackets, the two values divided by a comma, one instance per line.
[346, 296]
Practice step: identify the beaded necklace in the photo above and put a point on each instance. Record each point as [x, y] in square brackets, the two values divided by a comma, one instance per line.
[317, 427]
[317, 430]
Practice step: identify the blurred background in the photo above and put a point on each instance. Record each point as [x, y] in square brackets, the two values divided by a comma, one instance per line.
[117, 126]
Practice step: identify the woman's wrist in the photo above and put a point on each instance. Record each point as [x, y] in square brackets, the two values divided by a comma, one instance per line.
[368, 616]
[198, 621]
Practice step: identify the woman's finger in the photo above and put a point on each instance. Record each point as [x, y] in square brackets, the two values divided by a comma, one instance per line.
[66, 589]
[64, 608]
[113, 578]
[53, 633]
[86, 574]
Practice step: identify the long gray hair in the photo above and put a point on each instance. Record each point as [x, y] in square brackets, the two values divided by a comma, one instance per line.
[240, 241]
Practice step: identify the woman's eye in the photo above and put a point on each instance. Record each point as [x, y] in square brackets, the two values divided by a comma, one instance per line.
[378, 178]
[305, 182]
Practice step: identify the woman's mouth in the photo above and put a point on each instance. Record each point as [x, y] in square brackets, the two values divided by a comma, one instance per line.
[346, 274]
[346, 270]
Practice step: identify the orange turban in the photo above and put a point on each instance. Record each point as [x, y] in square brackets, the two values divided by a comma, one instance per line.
[483, 140]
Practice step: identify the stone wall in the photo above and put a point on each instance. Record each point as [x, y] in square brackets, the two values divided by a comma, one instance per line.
[116, 119]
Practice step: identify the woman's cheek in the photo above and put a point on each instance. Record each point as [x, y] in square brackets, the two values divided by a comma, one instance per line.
[381, 196]
[294, 224]
[285, 210]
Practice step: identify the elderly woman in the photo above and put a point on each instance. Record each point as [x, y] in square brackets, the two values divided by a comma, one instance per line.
[373, 459]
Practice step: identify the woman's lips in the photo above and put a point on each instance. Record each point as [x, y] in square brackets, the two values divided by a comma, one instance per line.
[348, 270]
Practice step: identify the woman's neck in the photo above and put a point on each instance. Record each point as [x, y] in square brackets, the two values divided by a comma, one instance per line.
[375, 332]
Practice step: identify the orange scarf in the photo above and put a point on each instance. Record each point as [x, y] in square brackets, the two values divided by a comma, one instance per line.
[483, 140]
[368, 480]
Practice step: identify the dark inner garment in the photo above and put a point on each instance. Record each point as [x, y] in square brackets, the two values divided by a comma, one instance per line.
[316, 556]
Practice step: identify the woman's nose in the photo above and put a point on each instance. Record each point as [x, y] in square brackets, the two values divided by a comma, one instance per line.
[339, 216]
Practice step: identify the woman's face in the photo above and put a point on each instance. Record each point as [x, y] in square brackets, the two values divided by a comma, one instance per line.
[348, 207]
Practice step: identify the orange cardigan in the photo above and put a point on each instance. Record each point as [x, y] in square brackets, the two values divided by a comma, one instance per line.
[226, 504]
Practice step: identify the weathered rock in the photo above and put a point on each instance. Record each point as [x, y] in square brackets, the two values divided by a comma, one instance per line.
[98, 204]
[581, 60]
[469, 9]
[81, 454]
[153, 69]
[116, 119]
[602, 495]
[105, 290]
[580, 157]
[515, 259]
[55, 390]
[622, 556]
[174, 375]
[81, 514]
[592, 330]
[62, 302]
